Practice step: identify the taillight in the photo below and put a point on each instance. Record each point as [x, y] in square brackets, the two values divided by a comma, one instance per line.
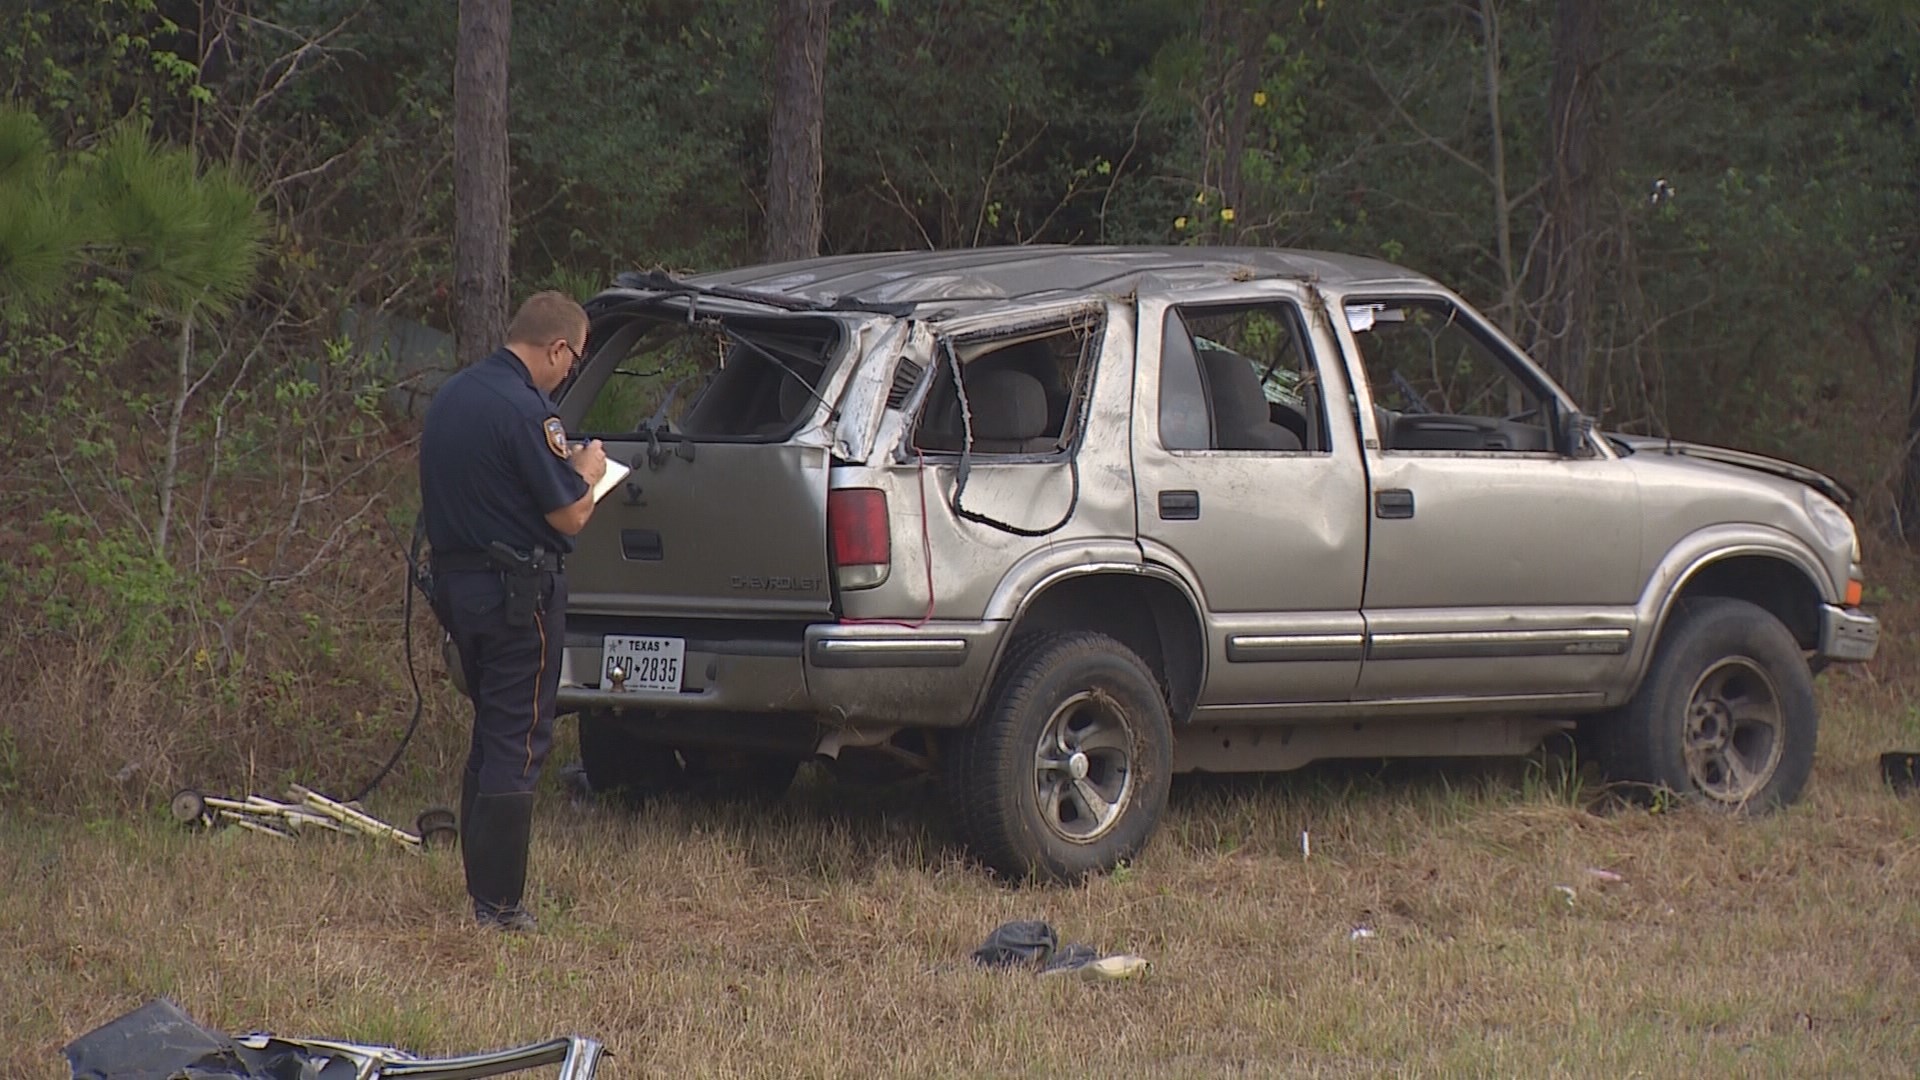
[861, 539]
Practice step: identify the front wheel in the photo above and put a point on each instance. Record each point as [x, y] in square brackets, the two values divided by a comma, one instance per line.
[1067, 773]
[1726, 715]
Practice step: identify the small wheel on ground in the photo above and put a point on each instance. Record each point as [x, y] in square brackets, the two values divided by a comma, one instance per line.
[1726, 716]
[621, 765]
[189, 807]
[1067, 771]
[439, 837]
[437, 828]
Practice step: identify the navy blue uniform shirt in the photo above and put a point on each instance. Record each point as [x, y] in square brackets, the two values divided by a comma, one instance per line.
[491, 461]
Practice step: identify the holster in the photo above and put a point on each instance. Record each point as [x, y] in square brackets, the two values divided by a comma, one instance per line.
[524, 576]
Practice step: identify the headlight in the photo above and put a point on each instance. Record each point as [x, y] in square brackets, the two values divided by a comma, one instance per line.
[1832, 523]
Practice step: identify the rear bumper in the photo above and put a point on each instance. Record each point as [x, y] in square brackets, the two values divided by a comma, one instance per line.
[928, 676]
[1848, 635]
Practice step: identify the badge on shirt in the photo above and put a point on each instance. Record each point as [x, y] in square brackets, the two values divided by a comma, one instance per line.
[556, 436]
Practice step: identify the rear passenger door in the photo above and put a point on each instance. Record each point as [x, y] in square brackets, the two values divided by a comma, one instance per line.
[1251, 487]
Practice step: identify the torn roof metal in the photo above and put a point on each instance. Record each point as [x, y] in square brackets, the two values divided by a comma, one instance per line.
[979, 279]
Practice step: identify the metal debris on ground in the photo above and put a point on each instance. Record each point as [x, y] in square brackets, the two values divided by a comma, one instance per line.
[306, 810]
[1901, 771]
[1033, 944]
[158, 1041]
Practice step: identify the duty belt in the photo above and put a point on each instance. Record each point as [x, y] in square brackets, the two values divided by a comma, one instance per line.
[501, 558]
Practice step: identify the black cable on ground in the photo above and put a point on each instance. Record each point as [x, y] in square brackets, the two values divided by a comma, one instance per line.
[406, 637]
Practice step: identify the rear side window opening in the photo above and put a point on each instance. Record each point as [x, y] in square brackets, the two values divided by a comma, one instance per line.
[729, 379]
[1026, 394]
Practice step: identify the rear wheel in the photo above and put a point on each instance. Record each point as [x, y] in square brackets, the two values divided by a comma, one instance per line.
[621, 765]
[1726, 716]
[737, 776]
[632, 769]
[1067, 773]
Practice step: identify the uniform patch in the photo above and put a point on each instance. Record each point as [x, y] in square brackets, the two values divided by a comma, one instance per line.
[556, 436]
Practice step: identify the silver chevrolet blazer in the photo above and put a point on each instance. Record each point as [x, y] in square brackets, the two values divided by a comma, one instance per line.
[1055, 523]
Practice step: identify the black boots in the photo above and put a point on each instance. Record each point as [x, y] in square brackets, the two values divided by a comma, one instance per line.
[494, 833]
[469, 787]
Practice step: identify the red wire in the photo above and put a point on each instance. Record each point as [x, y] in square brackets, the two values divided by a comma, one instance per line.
[926, 556]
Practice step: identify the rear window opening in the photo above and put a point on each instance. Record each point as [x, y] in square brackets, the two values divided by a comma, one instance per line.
[1026, 394]
[732, 379]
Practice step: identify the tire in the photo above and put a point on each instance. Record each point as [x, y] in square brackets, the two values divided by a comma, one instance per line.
[1067, 772]
[620, 765]
[1726, 716]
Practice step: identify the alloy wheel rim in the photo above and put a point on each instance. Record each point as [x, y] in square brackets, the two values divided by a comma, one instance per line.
[1734, 733]
[1083, 767]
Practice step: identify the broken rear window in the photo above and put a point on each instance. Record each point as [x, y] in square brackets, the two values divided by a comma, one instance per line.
[1025, 394]
[720, 379]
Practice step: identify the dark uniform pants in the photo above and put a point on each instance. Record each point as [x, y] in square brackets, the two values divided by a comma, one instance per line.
[512, 674]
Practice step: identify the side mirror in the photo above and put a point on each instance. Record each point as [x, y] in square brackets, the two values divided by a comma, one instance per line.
[1572, 430]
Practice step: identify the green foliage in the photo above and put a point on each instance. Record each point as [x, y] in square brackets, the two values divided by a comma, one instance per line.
[39, 240]
[173, 234]
[85, 66]
[995, 122]
[25, 158]
[178, 234]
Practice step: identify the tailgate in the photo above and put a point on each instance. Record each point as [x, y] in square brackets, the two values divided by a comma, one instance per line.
[708, 529]
[725, 513]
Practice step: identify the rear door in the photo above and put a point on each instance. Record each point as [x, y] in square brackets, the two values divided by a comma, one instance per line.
[1250, 484]
[724, 513]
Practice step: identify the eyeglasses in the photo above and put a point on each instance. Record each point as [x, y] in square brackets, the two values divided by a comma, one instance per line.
[578, 354]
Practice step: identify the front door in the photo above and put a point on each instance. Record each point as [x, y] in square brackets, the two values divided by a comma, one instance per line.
[1496, 565]
[1250, 487]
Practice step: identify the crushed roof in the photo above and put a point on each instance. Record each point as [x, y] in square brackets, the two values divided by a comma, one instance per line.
[1036, 271]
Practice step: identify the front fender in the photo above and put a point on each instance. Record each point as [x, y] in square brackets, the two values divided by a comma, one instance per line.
[1694, 553]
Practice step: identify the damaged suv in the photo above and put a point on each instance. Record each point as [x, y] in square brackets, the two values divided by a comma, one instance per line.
[1056, 523]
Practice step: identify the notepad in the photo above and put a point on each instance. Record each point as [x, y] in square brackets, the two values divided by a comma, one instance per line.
[616, 472]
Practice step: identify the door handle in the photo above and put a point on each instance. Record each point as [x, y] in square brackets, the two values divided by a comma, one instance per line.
[641, 545]
[1180, 506]
[1393, 503]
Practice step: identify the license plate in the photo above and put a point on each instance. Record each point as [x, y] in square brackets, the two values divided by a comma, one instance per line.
[649, 663]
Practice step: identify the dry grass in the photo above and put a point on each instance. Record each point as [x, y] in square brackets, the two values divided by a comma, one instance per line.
[831, 937]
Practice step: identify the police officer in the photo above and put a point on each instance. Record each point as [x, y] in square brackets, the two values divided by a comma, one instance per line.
[502, 495]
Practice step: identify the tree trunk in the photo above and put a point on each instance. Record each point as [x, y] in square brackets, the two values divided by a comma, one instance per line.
[794, 132]
[1909, 505]
[1567, 277]
[1492, 63]
[170, 472]
[1910, 467]
[1233, 196]
[480, 177]
[1235, 39]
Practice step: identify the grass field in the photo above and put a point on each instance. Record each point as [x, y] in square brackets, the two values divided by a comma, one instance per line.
[830, 936]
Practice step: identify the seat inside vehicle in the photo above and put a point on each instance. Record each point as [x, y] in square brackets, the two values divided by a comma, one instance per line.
[1241, 418]
[1009, 413]
[792, 401]
[1017, 399]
